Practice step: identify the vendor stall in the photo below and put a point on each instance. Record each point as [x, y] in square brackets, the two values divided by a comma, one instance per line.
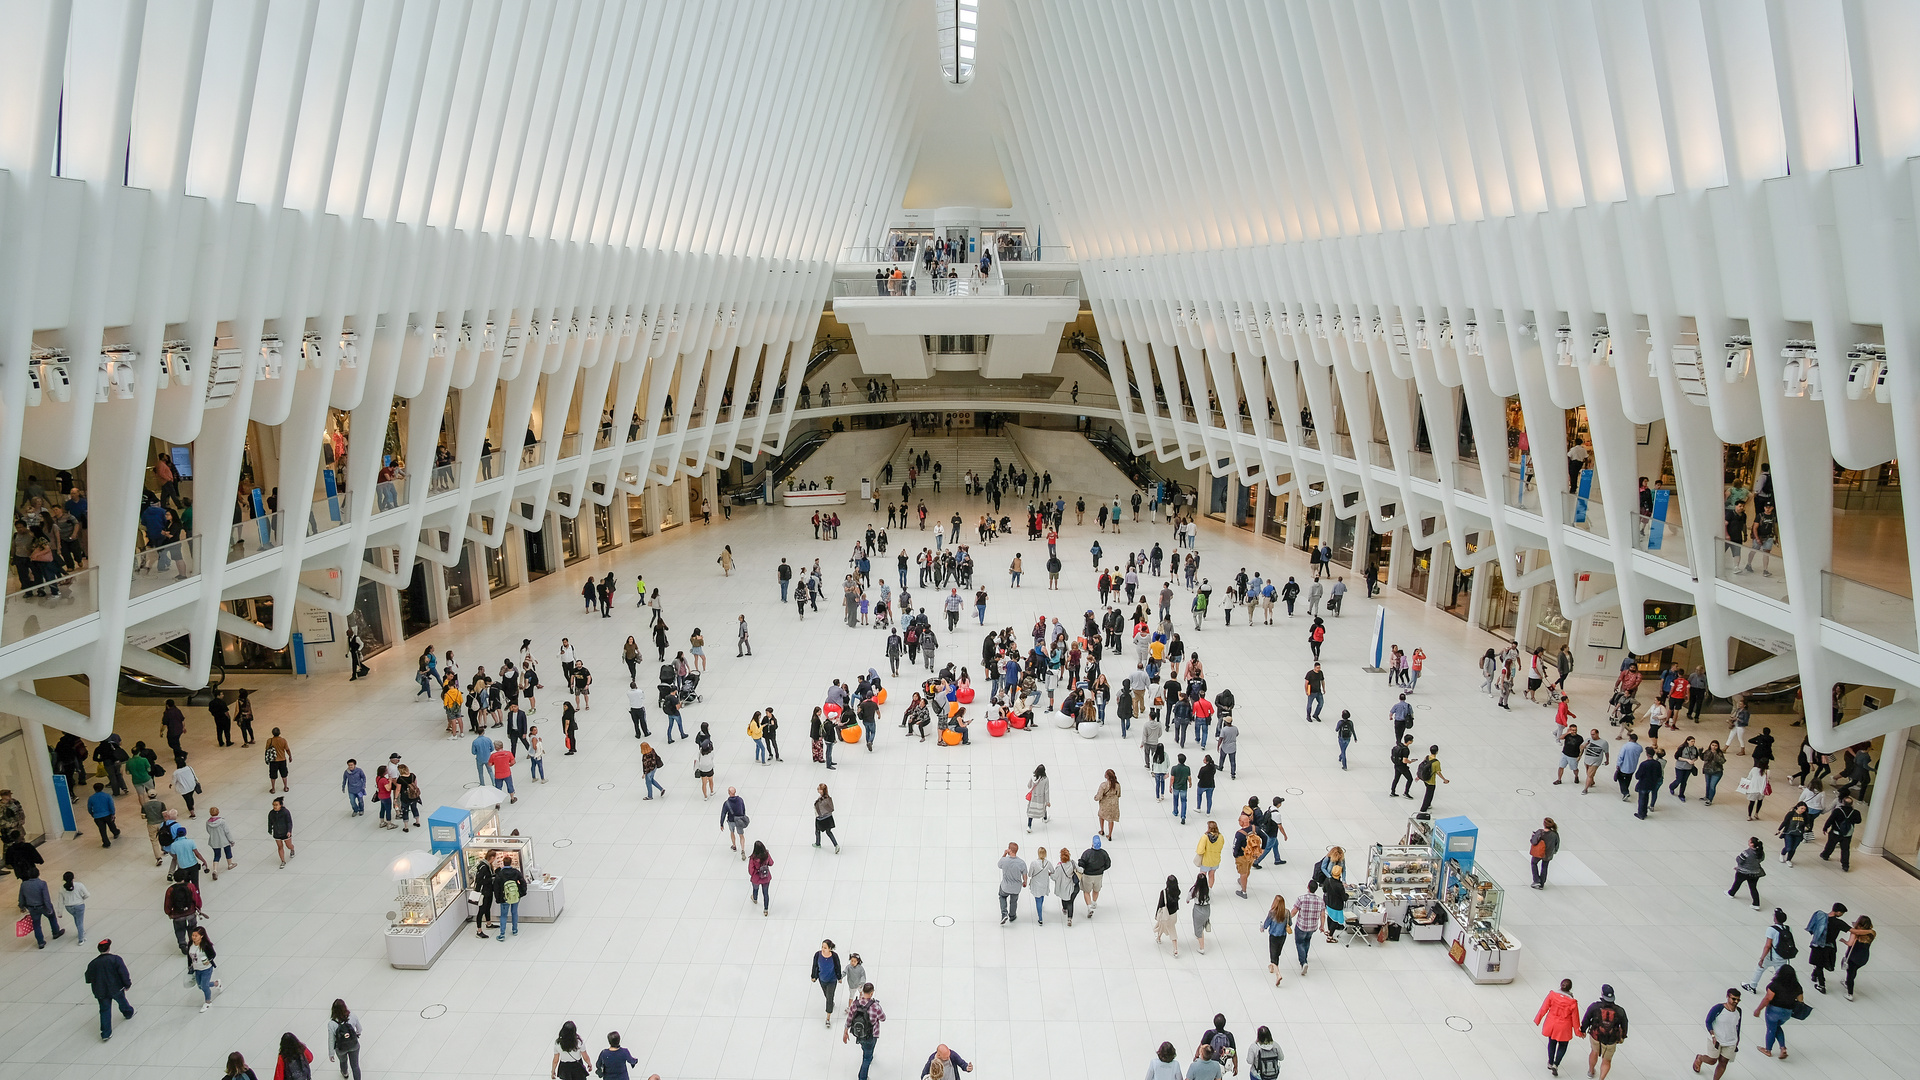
[1473, 902]
[544, 897]
[1402, 880]
[430, 907]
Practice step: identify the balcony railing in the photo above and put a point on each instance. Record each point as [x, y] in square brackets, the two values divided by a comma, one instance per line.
[50, 605]
[1854, 604]
[492, 465]
[253, 536]
[569, 445]
[156, 568]
[445, 478]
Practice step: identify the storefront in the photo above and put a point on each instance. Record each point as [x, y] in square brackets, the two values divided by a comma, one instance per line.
[1309, 537]
[573, 545]
[368, 618]
[416, 608]
[1458, 597]
[499, 570]
[1419, 568]
[1275, 526]
[1246, 505]
[539, 563]
[1502, 614]
[461, 590]
[605, 536]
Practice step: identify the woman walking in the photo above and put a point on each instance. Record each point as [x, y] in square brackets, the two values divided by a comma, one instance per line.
[1559, 1020]
[1756, 786]
[726, 561]
[823, 819]
[295, 1060]
[1543, 846]
[760, 874]
[570, 728]
[1164, 910]
[1066, 883]
[1039, 791]
[1748, 868]
[650, 764]
[570, 1061]
[409, 787]
[1208, 850]
[1779, 1004]
[703, 762]
[1108, 798]
[1859, 942]
[1161, 767]
[1686, 760]
[630, 653]
[343, 1038]
[1713, 765]
[1039, 880]
[697, 647]
[824, 968]
[1794, 829]
[1275, 924]
[1200, 898]
[200, 964]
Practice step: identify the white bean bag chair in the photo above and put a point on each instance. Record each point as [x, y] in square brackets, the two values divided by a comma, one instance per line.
[1060, 719]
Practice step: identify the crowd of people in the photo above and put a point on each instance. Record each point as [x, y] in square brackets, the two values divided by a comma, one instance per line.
[1067, 672]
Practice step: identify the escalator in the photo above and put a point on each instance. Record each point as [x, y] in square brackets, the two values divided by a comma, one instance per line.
[1083, 345]
[797, 452]
[823, 350]
[1135, 466]
[137, 685]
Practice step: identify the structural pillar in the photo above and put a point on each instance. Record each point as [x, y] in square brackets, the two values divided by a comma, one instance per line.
[1893, 755]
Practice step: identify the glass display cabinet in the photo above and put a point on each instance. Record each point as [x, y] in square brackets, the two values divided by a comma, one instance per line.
[1474, 903]
[429, 908]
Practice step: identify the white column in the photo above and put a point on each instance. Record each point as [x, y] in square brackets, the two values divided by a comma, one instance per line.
[1893, 754]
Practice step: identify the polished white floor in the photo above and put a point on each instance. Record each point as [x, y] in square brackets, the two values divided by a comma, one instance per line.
[660, 942]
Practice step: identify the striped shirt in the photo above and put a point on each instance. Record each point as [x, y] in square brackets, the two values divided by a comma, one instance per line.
[1308, 913]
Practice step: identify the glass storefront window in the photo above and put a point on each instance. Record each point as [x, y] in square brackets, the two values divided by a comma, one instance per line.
[1309, 537]
[461, 593]
[416, 613]
[605, 538]
[1276, 524]
[1503, 607]
[636, 517]
[1343, 533]
[366, 618]
[499, 574]
[571, 547]
[539, 565]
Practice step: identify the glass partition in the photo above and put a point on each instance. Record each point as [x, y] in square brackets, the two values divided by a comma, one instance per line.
[50, 604]
[1872, 611]
[157, 568]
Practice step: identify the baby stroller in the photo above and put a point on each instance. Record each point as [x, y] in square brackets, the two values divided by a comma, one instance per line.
[686, 686]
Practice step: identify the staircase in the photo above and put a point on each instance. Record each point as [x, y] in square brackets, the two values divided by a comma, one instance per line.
[955, 456]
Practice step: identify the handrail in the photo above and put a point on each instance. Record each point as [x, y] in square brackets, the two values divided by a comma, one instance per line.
[824, 350]
[1135, 466]
[796, 453]
[1094, 357]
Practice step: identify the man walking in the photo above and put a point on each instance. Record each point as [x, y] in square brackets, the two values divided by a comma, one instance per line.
[1316, 696]
[1839, 829]
[1013, 878]
[1646, 780]
[1606, 1026]
[785, 574]
[864, 1017]
[107, 975]
[354, 782]
[482, 750]
[279, 756]
[1401, 753]
[1627, 764]
[100, 806]
[1723, 1035]
[1309, 911]
[745, 647]
[637, 709]
[1431, 775]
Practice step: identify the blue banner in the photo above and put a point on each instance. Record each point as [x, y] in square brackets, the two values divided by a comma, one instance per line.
[63, 797]
[260, 519]
[1585, 492]
[1656, 529]
[299, 643]
[333, 495]
[1520, 491]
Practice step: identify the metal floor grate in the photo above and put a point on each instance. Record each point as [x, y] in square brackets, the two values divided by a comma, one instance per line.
[949, 778]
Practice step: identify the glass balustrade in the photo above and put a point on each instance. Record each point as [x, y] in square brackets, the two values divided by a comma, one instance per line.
[445, 478]
[253, 536]
[157, 568]
[1856, 605]
[50, 604]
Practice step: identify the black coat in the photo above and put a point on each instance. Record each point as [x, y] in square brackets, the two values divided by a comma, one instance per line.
[1648, 776]
[108, 976]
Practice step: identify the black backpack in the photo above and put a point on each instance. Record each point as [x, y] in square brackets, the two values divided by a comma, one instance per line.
[1785, 948]
[1425, 772]
[860, 1026]
[346, 1040]
[1605, 1028]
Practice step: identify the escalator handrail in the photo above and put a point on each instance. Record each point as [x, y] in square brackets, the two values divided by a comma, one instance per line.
[824, 350]
[795, 454]
[1095, 358]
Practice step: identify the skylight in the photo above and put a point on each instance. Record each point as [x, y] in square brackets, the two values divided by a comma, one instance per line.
[956, 23]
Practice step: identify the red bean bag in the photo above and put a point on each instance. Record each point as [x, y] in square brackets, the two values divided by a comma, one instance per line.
[966, 695]
[851, 733]
[1019, 722]
[996, 728]
[830, 710]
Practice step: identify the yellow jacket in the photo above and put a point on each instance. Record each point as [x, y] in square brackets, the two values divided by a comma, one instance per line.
[1209, 849]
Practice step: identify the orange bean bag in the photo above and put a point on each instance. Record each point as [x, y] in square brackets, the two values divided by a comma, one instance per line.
[851, 733]
[880, 698]
[996, 728]
[950, 738]
[952, 708]
[966, 695]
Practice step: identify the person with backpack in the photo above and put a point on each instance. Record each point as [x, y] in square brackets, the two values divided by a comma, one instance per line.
[864, 1017]
[295, 1061]
[1542, 847]
[1778, 949]
[343, 1038]
[181, 903]
[508, 886]
[1217, 1044]
[1431, 775]
[1606, 1026]
[1823, 935]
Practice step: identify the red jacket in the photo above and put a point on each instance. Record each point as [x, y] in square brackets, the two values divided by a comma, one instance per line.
[280, 1064]
[1562, 1017]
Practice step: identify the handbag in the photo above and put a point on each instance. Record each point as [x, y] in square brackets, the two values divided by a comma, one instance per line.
[1198, 861]
[1801, 1010]
[1538, 850]
[1457, 952]
[474, 897]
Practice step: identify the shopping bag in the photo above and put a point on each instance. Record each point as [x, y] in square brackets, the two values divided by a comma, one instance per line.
[1457, 952]
[23, 927]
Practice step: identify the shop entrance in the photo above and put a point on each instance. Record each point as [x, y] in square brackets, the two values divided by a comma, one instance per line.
[1503, 607]
[366, 618]
[1275, 526]
[536, 539]
[416, 612]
